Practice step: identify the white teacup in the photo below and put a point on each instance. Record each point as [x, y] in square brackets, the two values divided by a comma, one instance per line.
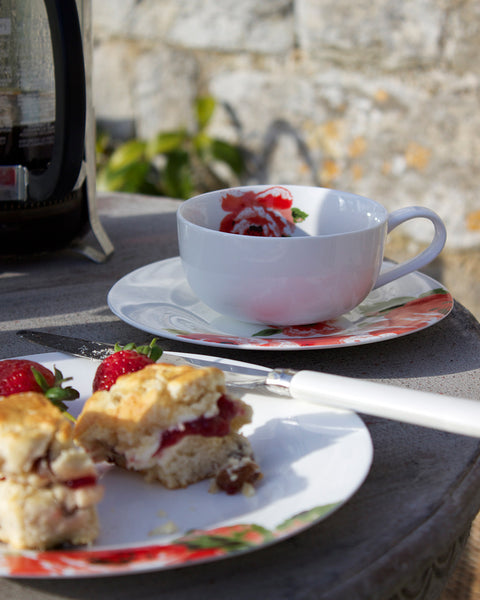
[327, 267]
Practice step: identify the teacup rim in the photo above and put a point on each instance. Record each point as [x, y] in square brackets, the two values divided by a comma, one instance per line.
[267, 239]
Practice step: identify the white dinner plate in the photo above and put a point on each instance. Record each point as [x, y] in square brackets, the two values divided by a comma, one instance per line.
[157, 298]
[313, 460]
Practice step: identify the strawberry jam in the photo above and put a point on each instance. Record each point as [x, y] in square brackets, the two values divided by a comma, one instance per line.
[216, 426]
[75, 484]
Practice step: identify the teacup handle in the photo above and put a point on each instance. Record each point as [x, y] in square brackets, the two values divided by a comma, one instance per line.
[401, 215]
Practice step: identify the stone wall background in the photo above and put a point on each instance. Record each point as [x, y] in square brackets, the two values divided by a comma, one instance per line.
[378, 97]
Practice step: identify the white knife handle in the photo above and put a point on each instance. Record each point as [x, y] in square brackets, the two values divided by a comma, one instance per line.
[437, 411]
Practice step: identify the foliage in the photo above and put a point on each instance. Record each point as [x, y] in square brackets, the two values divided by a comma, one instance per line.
[175, 163]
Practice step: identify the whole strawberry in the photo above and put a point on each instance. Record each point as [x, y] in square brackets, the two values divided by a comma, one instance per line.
[19, 375]
[126, 359]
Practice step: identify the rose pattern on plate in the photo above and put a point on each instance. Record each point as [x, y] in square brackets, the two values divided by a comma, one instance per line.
[194, 547]
[383, 320]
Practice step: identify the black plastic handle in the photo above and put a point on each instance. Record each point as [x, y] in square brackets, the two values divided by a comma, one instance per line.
[60, 176]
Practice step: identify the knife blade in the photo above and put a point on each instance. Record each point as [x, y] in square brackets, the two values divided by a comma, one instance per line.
[236, 373]
[69, 345]
[427, 409]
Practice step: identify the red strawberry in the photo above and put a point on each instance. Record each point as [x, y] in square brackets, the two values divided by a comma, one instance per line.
[19, 375]
[126, 359]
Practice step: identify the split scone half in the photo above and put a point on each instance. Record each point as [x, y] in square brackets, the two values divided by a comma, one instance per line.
[48, 484]
[173, 424]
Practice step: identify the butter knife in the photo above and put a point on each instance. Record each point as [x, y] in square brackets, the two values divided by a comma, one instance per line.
[436, 411]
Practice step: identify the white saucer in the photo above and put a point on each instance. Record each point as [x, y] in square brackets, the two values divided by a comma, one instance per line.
[157, 298]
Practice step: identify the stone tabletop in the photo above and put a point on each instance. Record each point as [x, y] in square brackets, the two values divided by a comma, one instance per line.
[401, 533]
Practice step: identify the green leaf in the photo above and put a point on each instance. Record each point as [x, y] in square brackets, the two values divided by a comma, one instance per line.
[151, 350]
[167, 142]
[212, 541]
[267, 332]
[102, 143]
[434, 292]
[234, 539]
[130, 178]
[40, 379]
[229, 154]
[202, 144]
[128, 153]
[129, 346]
[177, 178]
[307, 517]
[204, 108]
[58, 395]
[386, 305]
[298, 215]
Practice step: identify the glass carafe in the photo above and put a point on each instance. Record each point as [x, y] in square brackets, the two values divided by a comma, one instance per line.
[44, 202]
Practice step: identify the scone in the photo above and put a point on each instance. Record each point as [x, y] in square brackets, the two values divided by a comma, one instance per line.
[48, 485]
[174, 424]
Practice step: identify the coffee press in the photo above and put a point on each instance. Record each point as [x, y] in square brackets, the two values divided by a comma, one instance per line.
[47, 129]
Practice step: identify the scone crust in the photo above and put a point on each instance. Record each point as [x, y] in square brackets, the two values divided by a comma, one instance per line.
[154, 398]
[31, 410]
[29, 424]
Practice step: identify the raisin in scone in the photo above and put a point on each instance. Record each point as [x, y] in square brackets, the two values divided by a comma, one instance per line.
[48, 485]
[174, 424]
